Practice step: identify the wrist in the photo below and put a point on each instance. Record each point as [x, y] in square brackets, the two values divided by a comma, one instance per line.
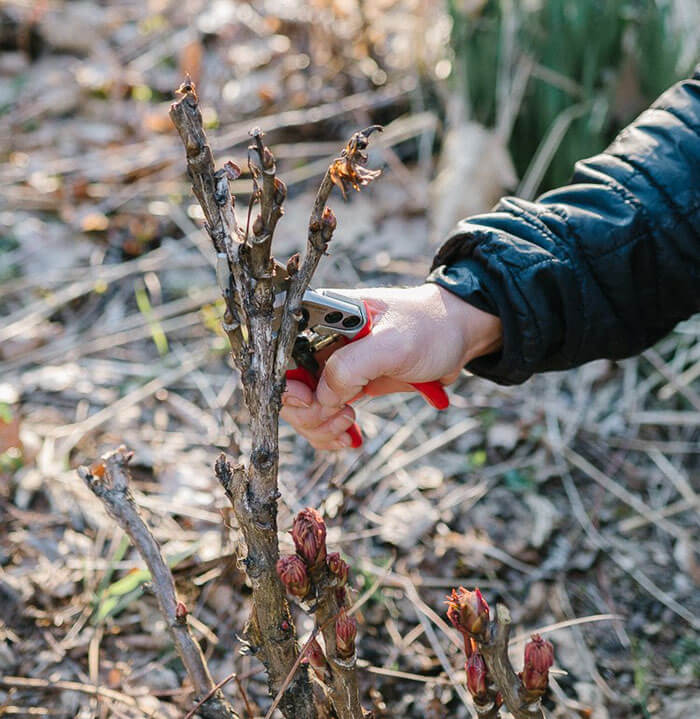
[481, 332]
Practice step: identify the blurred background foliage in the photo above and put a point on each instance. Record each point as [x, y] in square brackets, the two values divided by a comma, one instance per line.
[588, 68]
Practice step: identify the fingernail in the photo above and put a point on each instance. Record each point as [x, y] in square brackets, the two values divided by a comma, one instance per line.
[292, 401]
[340, 424]
[345, 440]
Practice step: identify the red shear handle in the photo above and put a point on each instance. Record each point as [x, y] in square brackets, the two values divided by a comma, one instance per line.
[302, 375]
[433, 392]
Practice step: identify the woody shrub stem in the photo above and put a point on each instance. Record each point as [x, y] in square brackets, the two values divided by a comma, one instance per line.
[253, 491]
[262, 356]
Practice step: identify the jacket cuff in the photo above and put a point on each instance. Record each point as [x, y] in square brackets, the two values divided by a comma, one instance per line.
[471, 281]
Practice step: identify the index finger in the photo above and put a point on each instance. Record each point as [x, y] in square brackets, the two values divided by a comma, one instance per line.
[349, 370]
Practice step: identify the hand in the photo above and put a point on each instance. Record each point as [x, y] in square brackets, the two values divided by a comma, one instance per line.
[419, 334]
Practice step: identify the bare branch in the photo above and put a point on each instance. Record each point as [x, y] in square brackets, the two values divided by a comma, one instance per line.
[346, 170]
[211, 189]
[272, 194]
[253, 493]
[109, 482]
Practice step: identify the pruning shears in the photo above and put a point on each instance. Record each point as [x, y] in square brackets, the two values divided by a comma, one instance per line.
[330, 320]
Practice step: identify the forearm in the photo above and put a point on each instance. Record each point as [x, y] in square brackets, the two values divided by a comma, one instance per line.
[600, 268]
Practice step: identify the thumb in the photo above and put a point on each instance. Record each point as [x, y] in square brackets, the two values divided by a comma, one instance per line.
[349, 369]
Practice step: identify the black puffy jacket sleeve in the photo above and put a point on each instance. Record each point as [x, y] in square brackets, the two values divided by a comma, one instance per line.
[602, 267]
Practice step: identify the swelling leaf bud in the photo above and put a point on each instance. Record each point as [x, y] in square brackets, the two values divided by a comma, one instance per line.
[233, 172]
[477, 682]
[268, 161]
[345, 633]
[468, 611]
[338, 568]
[293, 264]
[316, 659]
[280, 191]
[292, 572]
[309, 536]
[539, 657]
[328, 224]
[258, 226]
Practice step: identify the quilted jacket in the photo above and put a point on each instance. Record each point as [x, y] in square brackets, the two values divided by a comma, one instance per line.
[603, 267]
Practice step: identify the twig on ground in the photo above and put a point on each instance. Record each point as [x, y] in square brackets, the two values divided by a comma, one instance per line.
[62, 685]
[585, 653]
[607, 544]
[210, 694]
[108, 479]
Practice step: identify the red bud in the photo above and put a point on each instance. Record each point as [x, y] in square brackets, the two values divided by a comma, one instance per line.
[338, 567]
[292, 572]
[468, 611]
[316, 659]
[539, 657]
[180, 612]
[315, 655]
[309, 536]
[477, 682]
[345, 633]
